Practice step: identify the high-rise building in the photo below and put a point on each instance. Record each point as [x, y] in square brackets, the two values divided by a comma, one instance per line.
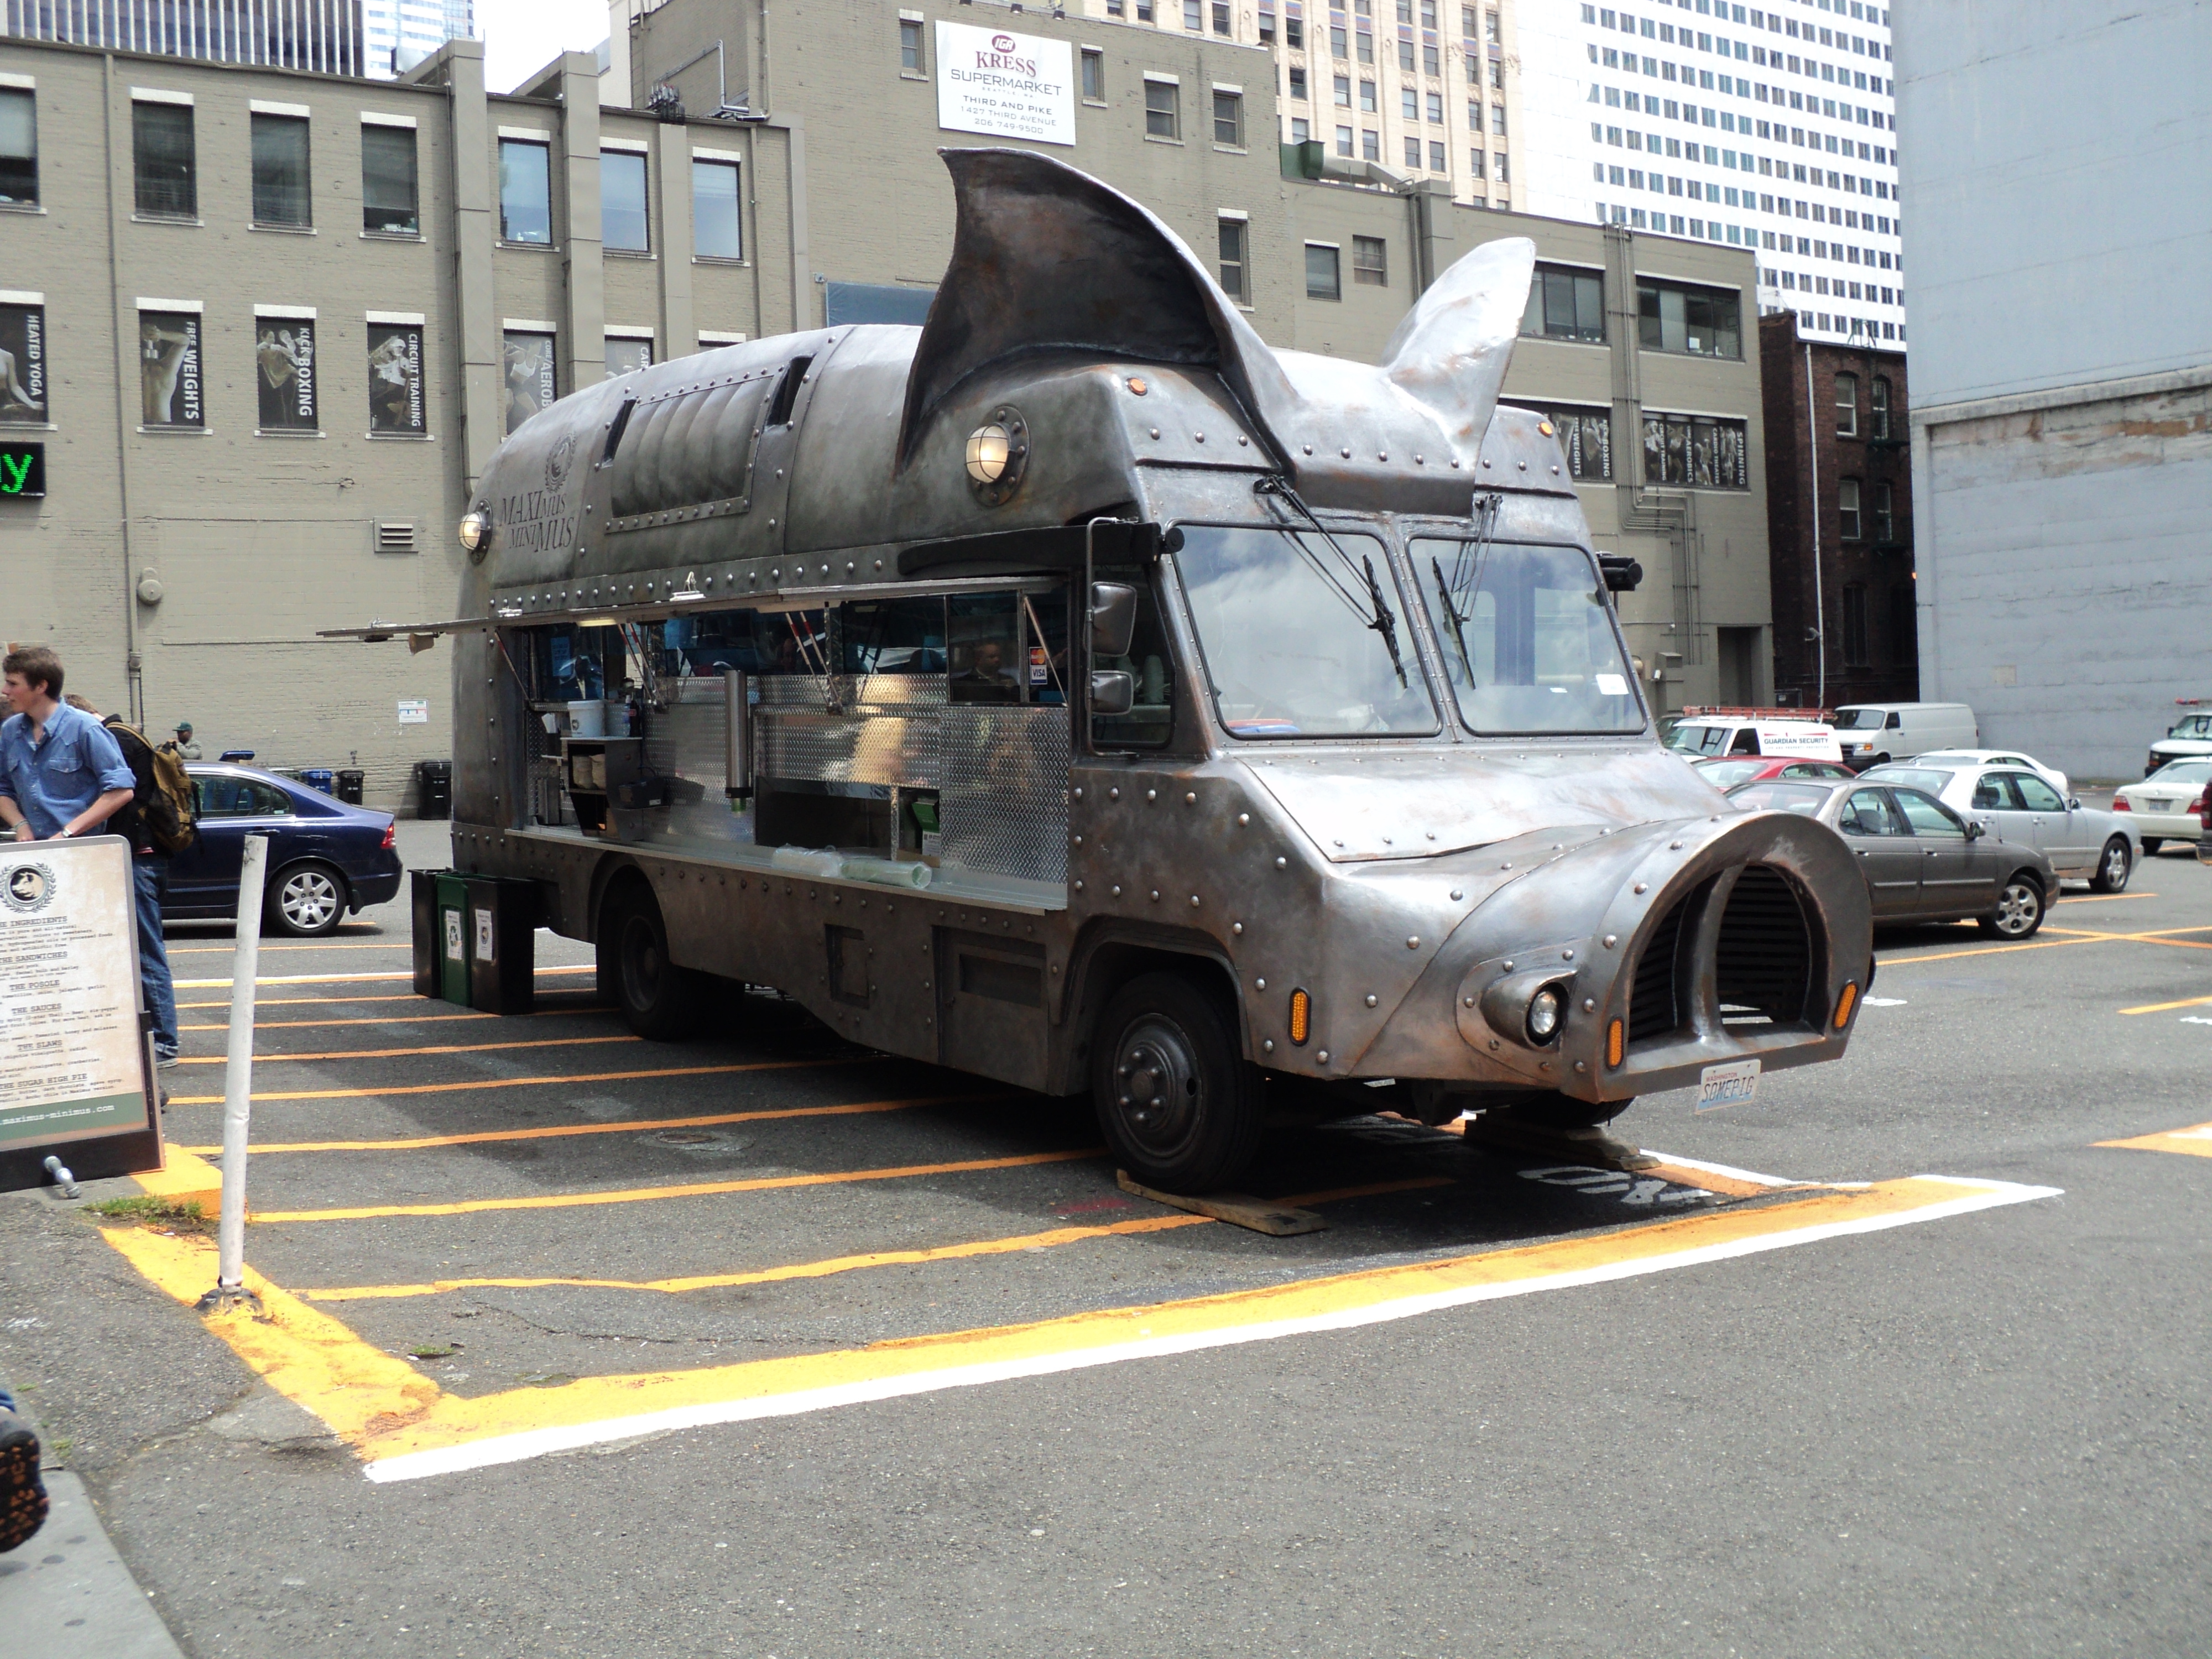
[401, 33]
[1426, 89]
[321, 36]
[1770, 127]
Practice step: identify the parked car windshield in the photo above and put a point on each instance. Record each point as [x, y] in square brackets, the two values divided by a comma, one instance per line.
[1726, 774]
[1770, 796]
[1527, 638]
[2182, 772]
[1296, 641]
[1859, 719]
[1912, 777]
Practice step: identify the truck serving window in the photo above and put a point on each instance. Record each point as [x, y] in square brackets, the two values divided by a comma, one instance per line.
[1298, 640]
[1527, 639]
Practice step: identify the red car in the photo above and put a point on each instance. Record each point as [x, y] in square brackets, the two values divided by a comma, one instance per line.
[1725, 773]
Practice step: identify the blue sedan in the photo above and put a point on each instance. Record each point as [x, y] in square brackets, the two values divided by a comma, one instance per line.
[325, 856]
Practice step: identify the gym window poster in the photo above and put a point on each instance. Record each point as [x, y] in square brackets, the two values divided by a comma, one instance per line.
[169, 388]
[531, 375]
[395, 403]
[284, 357]
[23, 361]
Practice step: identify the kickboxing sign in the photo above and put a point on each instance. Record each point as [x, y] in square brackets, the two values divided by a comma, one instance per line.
[1014, 86]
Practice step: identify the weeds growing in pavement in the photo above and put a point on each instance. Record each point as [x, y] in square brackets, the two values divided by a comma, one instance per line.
[188, 1215]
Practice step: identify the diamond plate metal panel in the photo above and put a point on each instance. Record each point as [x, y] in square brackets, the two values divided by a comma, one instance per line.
[1004, 800]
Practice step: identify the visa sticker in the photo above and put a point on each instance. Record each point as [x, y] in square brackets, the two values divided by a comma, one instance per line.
[1040, 666]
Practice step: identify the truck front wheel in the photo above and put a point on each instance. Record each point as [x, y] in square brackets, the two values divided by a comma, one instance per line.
[1177, 1103]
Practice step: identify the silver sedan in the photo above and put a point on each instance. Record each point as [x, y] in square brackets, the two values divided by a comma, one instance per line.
[2082, 843]
[1923, 861]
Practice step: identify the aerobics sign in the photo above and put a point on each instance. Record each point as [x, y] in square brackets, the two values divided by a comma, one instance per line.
[1014, 86]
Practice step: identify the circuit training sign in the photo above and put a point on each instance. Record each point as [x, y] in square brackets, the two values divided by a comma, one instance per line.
[1014, 86]
[72, 1059]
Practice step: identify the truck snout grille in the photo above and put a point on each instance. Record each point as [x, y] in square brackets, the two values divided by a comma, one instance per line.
[1764, 961]
[1655, 1005]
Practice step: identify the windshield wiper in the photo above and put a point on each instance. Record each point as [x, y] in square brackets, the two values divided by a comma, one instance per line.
[1443, 593]
[1381, 618]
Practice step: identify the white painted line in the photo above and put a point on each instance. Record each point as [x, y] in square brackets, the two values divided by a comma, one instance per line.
[1723, 1169]
[539, 1442]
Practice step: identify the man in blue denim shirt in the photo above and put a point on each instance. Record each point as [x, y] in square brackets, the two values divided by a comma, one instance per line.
[61, 773]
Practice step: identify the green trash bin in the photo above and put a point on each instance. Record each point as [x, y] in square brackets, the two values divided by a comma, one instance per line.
[453, 937]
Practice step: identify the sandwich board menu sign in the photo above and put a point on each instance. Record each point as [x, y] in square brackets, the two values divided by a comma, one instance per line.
[74, 1075]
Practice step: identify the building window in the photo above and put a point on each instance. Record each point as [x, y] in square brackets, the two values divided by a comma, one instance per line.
[162, 160]
[1409, 103]
[1336, 47]
[1370, 146]
[1695, 451]
[1228, 119]
[911, 62]
[1702, 321]
[717, 226]
[1367, 97]
[280, 171]
[169, 368]
[1301, 130]
[1847, 406]
[397, 405]
[1490, 35]
[1364, 44]
[1344, 140]
[1856, 654]
[1585, 437]
[1163, 109]
[532, 375]
[1498, 120]
[1878, 401]
[1431, 63]
[1294, 33]
[1436, 106]
[1474, 164]
[1504, 172]
[1565, 305]
[525, 193]
[624, 224]
[1298, 86]
[1369, 261]
[1344, 92]
[1847, 509]
[1321, 281]
[627, 354]
[19, 148]
[390, 197]
[1413, 154]
[1884, 506]
[1428, 14]
[1232, 258]
[284, 354]
[1193, 17]
[1220, 17]
[23, 365]
[1406, 57]
[1436, 156]
[1094, 77]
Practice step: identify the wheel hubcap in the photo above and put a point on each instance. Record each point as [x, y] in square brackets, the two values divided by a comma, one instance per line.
[1156, 1084]
[2115, 865]
[2018, 909]
[309, 899]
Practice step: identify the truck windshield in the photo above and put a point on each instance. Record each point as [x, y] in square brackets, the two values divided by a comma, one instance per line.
[1527, 638]
[1300, 640]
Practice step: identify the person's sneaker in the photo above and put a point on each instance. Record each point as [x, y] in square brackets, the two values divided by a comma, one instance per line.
[23, 1493]
[163, 1062]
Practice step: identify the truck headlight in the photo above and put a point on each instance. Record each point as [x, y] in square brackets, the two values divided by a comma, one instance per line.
[1544, 1011]
[475, 532]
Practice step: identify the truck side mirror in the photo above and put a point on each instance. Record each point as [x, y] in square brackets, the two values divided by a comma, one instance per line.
[1113, 690]
[1113, 618]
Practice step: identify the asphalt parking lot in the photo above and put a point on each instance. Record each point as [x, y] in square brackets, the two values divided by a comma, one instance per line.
[765, 1344]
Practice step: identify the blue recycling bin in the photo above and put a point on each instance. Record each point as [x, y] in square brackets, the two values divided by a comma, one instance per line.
[319, 777]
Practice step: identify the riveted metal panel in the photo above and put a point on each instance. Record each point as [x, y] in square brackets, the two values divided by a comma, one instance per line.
[1004, 805]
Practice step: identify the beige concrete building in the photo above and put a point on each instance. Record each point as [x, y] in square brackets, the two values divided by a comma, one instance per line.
[264, 328]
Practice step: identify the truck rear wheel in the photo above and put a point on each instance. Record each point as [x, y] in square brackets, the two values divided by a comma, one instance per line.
[1177, 1103]
[659, 1000]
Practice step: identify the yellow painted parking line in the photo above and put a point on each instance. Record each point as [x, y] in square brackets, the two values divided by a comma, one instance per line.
[686, 1189]
[2072, 936]
[2164, 1007]
[229, 947]
[184, 1174]
[369, 1019]
[842, 1264]
[2102, 898]
[445, 1049]
[2195, 1142]
[628, 1125]
[342, 979]
[529, 1082]
[406, 1428]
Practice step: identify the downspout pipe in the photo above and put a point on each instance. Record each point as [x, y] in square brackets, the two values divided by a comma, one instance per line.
[1820, 589]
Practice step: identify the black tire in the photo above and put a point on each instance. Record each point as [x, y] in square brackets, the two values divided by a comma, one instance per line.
[2114, 864]
[658, 1001]
[2151, 844]
[1556, 1111]
[305, 901]
[1191, 1122]
[2019, 911]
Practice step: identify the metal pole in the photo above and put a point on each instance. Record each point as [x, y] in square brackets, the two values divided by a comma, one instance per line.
[238, 1075]
[1819, 592]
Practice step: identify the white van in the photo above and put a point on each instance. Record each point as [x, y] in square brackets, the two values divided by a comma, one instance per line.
[1711, 734]
[1874, 733]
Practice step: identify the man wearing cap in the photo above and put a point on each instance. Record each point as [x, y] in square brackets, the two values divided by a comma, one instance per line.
[186, 749]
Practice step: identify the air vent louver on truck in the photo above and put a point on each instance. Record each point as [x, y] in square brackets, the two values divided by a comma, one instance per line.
[1764, 958]
[1654, 1002]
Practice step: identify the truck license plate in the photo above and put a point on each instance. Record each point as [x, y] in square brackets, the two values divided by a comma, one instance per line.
[1729, 1084]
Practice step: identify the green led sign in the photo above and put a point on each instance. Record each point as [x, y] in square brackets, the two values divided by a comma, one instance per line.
[23, 470]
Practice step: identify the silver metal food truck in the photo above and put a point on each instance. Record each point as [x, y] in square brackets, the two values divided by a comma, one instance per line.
[1077, 692]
